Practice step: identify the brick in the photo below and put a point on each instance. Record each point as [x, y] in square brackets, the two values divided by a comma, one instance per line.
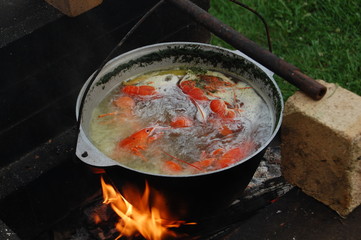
[74, 8]
[321, 147]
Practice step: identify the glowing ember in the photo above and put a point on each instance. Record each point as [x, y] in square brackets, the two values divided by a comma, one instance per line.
[145, 216]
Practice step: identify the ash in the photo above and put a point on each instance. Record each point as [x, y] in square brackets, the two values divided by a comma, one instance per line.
[267, 182]
[269, 167]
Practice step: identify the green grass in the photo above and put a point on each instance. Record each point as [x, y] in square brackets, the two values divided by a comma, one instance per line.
[322, 38]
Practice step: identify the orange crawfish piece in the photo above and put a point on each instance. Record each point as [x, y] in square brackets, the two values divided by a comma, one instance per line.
[207, 161]
[124, 102]
[214, 83]
[231, 156]
[181, 122]
[222, 126]
[143, 90]
[189, 87]
[234, 155]
[225, 130]
[220, 108]
[173, 166]
[138, 141]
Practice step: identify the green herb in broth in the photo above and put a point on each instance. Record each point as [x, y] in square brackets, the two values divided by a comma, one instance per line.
[184, 126]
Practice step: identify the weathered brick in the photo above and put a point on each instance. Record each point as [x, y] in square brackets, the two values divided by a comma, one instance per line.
[321, 147]
[74, 8]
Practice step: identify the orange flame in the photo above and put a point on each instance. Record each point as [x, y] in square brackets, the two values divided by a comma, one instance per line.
[144, 217]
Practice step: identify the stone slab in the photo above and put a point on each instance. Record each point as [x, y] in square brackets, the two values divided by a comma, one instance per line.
[321, 147]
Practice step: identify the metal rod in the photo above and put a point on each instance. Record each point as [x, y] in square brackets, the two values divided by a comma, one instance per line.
[280, 67]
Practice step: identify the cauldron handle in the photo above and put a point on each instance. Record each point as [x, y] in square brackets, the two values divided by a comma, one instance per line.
[292, 74]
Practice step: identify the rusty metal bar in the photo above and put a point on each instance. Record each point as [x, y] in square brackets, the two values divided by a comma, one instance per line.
[280, 67]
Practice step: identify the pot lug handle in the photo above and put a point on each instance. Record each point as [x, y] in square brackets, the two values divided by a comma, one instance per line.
[91, 155]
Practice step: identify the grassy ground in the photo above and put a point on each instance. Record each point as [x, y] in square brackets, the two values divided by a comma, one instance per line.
[321, 37]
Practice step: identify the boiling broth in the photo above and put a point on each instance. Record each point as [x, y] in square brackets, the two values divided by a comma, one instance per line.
[181, 122]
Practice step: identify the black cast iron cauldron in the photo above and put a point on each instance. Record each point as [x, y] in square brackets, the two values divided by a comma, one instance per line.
[190, 196]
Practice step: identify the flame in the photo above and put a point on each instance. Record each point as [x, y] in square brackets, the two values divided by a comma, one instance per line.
[146, 216]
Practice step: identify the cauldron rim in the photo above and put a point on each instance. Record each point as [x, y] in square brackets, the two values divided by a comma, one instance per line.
[83, 154]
